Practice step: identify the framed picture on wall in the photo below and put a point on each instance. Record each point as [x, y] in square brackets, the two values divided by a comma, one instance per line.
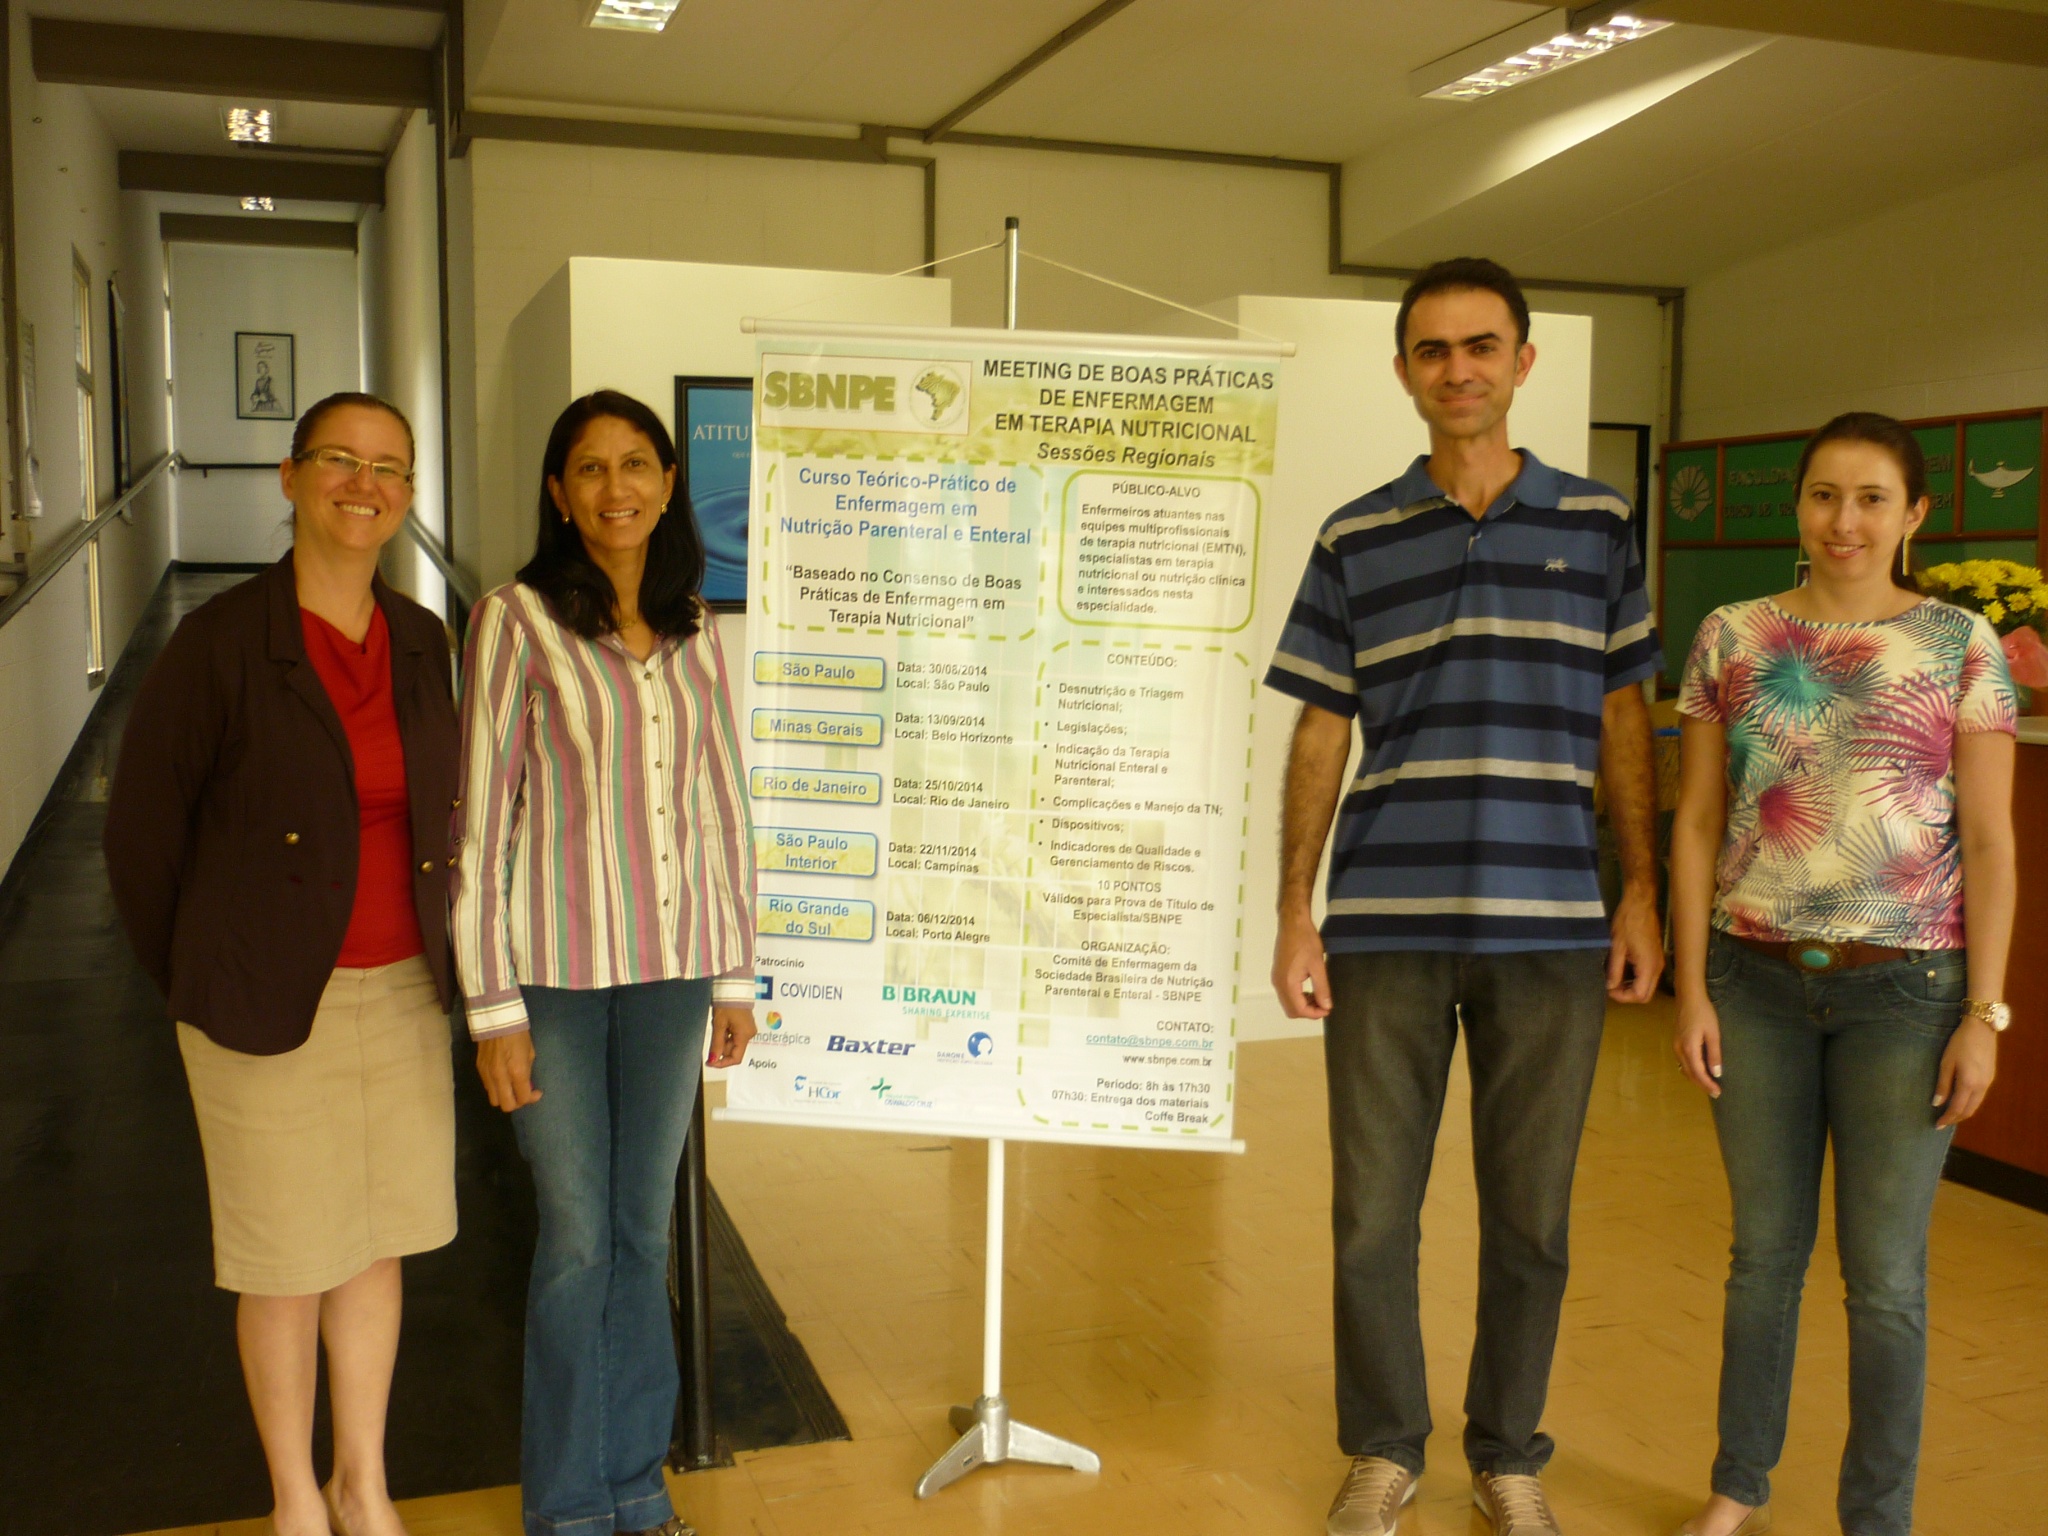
[715, 447]
[264, 381]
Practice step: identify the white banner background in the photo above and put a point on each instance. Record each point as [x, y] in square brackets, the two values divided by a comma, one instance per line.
[1000, 687]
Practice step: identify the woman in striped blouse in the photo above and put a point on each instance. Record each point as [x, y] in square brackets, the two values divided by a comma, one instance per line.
[603, 907]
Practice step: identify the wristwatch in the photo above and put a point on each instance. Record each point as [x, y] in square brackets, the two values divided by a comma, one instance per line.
[1997, 1015]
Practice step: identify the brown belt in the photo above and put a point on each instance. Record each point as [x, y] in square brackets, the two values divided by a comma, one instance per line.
[1823, 955]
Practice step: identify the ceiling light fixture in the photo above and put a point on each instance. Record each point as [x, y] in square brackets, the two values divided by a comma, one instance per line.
[629, 15]
[259, 205]
[247, 125]
[1537, 47]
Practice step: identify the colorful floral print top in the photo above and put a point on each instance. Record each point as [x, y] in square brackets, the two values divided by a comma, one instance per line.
[1841, 784]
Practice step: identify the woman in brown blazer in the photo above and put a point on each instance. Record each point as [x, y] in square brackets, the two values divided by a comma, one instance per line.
[277, 839]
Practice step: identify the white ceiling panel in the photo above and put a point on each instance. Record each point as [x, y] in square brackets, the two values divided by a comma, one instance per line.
[1798, 139]
[1308, 79]
[845, 61]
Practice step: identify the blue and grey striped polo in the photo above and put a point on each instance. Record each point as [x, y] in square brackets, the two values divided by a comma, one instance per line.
[1476, 656]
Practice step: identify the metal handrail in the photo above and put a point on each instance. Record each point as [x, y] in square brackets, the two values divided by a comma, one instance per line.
[464, 585]
[77, 538]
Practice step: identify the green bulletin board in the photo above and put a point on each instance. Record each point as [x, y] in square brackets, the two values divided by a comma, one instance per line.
[1730, 533]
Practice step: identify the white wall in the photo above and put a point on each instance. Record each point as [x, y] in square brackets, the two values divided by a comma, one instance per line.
[400, 246]
[1346, 427]
[533, 206]
[66, 200]
[635, 325]
[1191, 232]
[1940, 307]
[217, 290]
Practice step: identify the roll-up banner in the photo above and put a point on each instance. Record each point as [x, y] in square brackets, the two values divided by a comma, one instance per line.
[1001, 677]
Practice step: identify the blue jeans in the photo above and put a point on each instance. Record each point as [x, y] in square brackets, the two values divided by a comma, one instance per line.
[1532, 1037]
[617, 1068]
[1853, 1057]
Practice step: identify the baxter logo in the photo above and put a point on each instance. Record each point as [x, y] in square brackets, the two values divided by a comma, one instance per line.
[955, 997]
[870, 1047]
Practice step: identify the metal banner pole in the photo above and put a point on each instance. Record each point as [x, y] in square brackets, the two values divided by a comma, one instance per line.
[694, 1444]
[987, 1434]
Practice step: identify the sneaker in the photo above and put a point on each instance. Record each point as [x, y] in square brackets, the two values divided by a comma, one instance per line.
[674, 1525]
[1515, 1504]
[1375, 1492]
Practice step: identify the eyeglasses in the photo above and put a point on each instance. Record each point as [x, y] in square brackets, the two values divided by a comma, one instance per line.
[381, 473]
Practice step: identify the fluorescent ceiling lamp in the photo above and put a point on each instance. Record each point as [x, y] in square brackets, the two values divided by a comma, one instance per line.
[629, 15]
[247, 125]
[258, 205]
[1538, 47]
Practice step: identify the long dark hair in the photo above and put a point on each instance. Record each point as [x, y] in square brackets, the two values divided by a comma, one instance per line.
[580, 594]
[1880, 431]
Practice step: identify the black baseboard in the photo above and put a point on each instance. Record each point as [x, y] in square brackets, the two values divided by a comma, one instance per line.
[1974, 1170]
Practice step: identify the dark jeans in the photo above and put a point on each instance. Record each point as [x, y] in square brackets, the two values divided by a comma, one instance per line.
[1852, 1057]
[617, 1068]
[1532, 1034]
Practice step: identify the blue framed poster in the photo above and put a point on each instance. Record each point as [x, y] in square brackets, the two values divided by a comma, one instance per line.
[715, 432]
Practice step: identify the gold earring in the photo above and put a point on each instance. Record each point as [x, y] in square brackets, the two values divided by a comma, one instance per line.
[1906, 555]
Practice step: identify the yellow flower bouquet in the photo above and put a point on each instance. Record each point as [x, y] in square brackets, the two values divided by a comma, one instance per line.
[2012, 596]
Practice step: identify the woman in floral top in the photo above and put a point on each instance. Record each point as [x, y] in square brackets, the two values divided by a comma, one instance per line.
[1841, 904]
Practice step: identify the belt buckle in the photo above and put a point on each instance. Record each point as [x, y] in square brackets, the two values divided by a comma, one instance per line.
[1817, 956]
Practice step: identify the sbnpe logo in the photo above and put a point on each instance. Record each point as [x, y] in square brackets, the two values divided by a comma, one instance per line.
[875, 394]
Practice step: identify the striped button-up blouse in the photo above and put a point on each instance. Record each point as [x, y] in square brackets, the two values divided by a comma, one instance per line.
[603, 823]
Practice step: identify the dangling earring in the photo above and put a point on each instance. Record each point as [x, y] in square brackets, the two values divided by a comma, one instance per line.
[1906, 556]
[1802, 568]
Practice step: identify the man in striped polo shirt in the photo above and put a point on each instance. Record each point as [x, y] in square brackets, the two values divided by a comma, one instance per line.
[1483, 619]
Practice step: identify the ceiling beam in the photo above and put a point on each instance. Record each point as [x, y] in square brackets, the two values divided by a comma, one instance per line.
[1009, 77]
[225, 229]
[870, 148]
[316, 181]
[230, 64]
[1949, 28]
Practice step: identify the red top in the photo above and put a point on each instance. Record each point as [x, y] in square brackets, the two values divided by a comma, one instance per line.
[384, 925]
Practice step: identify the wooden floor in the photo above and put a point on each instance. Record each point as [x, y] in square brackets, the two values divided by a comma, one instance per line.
[1172, 1311]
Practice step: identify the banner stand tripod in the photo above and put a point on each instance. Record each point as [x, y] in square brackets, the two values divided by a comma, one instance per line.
[987, 1433]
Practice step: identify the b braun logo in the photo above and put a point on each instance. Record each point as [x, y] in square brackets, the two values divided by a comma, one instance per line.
[953, 997]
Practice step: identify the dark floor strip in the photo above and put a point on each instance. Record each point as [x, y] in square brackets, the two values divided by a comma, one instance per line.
[121, 1403]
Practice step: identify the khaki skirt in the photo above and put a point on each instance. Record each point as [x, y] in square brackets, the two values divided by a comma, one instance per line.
[323, 1160]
